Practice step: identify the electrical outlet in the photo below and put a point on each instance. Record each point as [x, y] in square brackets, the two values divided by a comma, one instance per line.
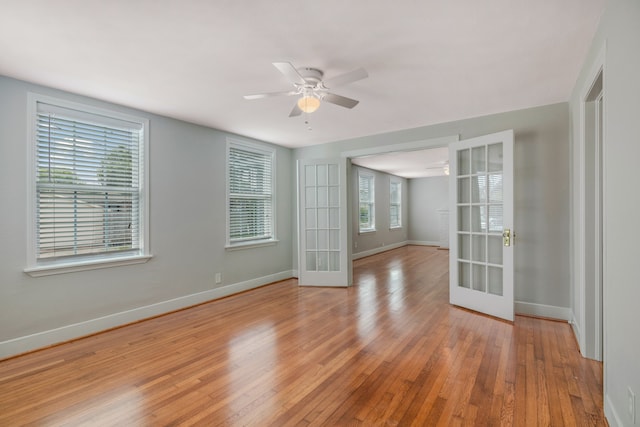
[355, 244]
[218, 278]
[631, 397]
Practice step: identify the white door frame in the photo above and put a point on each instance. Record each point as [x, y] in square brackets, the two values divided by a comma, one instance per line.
[582, 299]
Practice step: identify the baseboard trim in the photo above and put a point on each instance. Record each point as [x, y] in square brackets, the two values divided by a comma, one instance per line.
[611, 414]
[542, 310]
[423, 243]
[74, 331]
[378, 250]
[575, 327]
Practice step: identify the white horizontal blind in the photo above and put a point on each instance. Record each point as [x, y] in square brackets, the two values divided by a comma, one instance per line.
[395, 198]
[366, 195]
[87, 184]
[250, 204]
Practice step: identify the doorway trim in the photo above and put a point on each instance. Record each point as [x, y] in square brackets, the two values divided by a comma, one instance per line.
[587, 335]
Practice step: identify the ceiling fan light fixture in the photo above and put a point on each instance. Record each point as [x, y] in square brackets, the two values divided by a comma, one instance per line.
[308, 103]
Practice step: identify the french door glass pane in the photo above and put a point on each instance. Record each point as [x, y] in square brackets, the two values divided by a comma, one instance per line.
[311, 239]
[495, 157]
[478, 249]
[323, 261]
[478, 160]
[495, 280]
[464, 162]
[479, 277]
[322, 175]
[464, 274]
[463, 190]
[494, 246]
[311, 261]
[310, 175]
[464, 246]
[464, 213]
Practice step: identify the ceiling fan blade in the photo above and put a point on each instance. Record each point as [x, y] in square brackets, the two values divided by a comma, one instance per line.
[296, 111]
[270, 94]
[345, 78]
[342, 101]
[289, 72]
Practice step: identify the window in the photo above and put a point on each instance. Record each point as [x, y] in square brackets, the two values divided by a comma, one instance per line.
[395, 204]
[250, 185]
[88, 177]
[366, 198]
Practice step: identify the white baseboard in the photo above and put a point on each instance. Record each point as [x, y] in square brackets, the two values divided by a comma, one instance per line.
[423, 243]
[611, 414]
[575, 327]
[43, 339]
[378, 250]
[542, 310]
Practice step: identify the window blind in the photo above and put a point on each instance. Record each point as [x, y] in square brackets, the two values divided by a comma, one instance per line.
[87, 184]
[250, 181]
[366, 201]
[395, 198]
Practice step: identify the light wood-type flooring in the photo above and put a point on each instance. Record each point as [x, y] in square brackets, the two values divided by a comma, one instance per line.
[388, 351]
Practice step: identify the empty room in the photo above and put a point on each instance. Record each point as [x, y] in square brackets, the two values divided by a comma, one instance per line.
[338, 213]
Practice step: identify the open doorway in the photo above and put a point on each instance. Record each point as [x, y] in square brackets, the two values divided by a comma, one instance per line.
[374, 158]
[592, 250]
[411, 194]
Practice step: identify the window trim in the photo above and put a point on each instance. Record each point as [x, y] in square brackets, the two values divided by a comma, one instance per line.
[371, 202]
[397, 181]
[36, 268]
[250, 243]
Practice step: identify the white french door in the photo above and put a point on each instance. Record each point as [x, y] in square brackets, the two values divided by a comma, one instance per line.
[481, 224]
[323, 258]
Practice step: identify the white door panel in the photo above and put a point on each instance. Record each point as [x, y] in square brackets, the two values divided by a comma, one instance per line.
[481, 224]
[322, 218]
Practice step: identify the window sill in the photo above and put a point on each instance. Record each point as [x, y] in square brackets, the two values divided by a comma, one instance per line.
[368, 230]
[251, 244]
[71, 267]
[396, 228]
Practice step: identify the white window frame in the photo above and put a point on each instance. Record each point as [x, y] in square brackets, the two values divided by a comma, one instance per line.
[44, 267]
[232, 244]
[371, 202]
[392, 182]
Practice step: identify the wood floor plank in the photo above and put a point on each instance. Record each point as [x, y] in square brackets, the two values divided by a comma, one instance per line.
[388, 351]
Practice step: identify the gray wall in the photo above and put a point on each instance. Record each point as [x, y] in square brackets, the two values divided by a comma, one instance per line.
[427, 196]
[620, 30]
[541, 194]
[383, 236]
[187, 234]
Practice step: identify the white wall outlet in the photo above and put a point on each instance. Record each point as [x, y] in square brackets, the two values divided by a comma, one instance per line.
[631, 397]
[355, 245]
[218, 278]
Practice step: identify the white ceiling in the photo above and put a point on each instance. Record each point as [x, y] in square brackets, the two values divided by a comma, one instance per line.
[409, 164]
[428, 61]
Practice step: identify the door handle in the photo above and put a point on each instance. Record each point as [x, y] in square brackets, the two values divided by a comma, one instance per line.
[506, 237]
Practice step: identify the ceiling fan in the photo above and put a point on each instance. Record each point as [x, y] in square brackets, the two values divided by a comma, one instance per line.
[308, 84]
[441, 166]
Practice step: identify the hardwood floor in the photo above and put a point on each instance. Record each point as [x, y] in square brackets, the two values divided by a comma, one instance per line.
[388, 351]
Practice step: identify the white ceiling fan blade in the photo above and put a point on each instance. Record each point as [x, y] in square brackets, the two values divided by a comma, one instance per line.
[270, 94]
[345, 78]
[296, 111]
[289, 72]
[342, 101]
